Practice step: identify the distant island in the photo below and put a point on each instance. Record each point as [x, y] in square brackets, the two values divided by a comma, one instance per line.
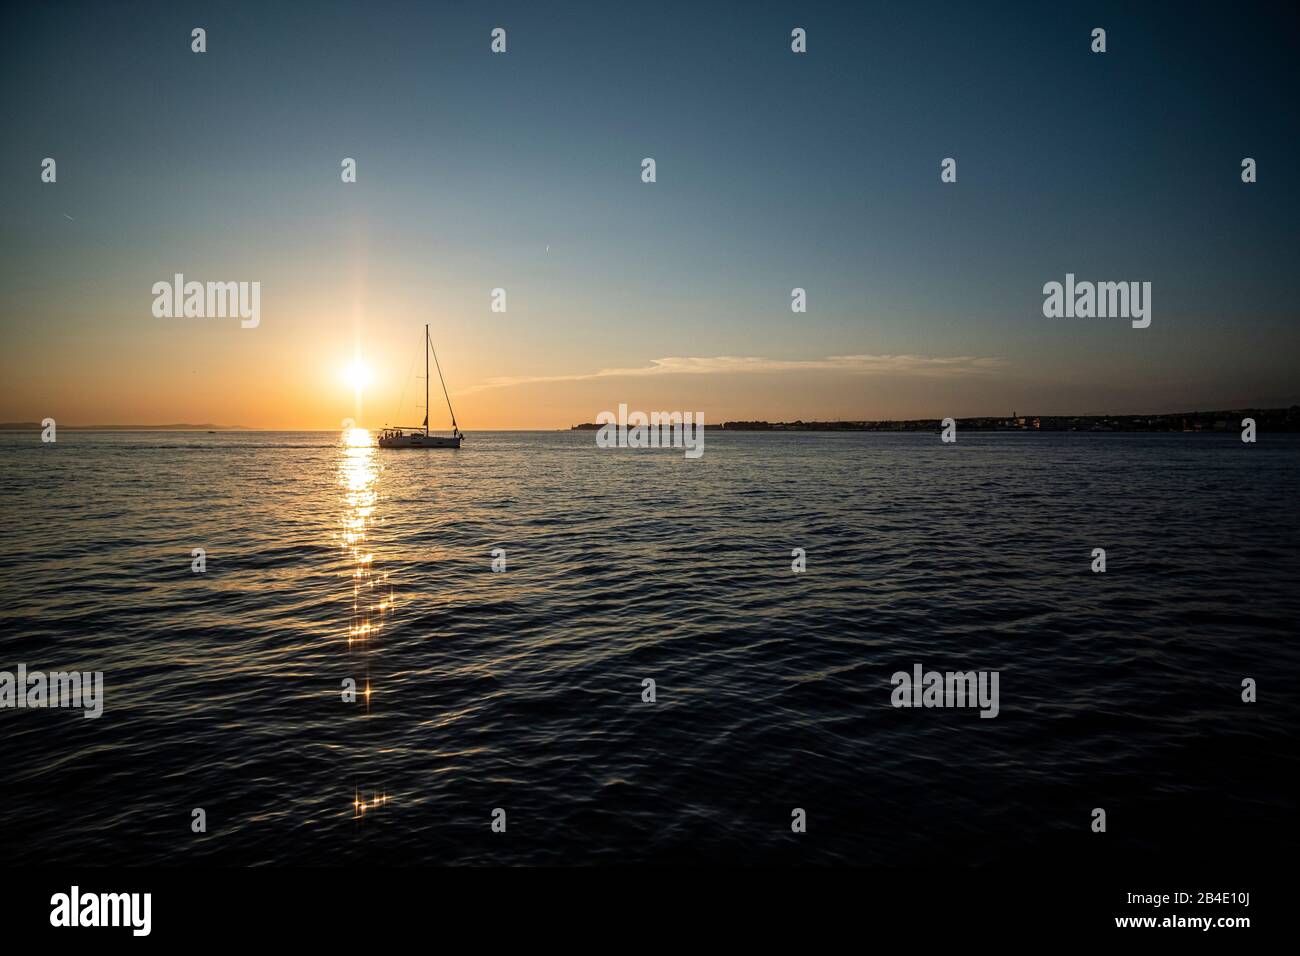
[1266, 419]
[36, 426]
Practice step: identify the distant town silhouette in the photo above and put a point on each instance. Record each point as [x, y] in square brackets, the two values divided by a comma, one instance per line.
[1266, 419]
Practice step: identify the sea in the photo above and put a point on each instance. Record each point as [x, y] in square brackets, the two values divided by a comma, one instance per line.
[536, 651]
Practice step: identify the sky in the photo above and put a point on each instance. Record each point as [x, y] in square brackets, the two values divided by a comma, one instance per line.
[522, 171]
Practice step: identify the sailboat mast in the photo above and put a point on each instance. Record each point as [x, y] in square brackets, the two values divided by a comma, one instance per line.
[426, 381]
[443, 382]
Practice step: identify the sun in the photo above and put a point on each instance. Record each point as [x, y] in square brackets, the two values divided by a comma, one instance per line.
[357, 375]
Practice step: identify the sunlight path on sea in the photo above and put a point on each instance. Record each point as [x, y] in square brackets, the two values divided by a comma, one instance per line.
[372, 593]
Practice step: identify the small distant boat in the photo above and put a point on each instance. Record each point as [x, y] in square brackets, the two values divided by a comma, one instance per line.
[409, 437]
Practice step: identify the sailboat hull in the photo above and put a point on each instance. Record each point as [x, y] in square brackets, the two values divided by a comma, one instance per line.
[419, 441]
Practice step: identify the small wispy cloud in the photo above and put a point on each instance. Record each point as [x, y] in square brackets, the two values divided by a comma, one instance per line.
[917, 365]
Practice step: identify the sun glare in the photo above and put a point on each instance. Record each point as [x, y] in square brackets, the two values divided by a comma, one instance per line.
[357, 375]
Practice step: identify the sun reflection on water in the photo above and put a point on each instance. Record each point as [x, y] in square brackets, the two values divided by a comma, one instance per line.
[360, 804]
[372, 594]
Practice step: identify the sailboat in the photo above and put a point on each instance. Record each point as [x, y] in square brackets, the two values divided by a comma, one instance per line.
[407, 437]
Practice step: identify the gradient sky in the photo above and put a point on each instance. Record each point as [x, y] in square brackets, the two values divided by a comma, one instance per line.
[774, 170]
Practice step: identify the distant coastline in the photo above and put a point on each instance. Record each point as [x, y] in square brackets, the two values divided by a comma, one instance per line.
[1266, 419]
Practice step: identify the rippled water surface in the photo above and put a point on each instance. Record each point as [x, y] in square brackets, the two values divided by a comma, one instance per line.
[523, 689]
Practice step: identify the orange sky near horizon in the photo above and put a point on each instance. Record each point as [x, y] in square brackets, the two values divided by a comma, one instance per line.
[216, 373]
[554, 361]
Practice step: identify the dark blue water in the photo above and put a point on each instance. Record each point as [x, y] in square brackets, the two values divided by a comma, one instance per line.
[522, 690]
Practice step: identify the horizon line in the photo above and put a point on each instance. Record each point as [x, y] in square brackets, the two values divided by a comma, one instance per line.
[187, 426]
